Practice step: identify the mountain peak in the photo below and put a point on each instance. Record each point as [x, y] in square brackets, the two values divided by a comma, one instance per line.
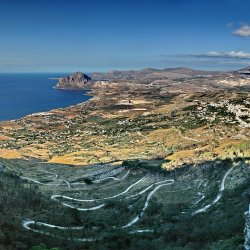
[77, 80]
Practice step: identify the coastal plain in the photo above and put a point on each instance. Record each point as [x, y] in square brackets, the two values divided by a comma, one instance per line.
[183, 120]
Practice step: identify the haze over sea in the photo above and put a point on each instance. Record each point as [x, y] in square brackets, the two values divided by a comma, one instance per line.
[23, 94]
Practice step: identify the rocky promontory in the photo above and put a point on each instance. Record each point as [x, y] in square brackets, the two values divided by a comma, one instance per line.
[76, 80]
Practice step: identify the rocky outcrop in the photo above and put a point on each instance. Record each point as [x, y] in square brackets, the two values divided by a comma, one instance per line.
[76, 80]
[247, 230]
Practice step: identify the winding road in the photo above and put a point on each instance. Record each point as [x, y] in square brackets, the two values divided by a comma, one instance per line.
[219, 195]
[137, 218]
[40, 183]
[113, 178]
[55, 179]
[128, 197]
[56, 196]
[149, 187]
[27, 225]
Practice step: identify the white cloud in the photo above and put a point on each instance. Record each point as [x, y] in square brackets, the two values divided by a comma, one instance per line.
[230, 54]
[244, 31]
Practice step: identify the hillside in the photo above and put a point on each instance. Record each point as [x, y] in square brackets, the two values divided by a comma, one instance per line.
[134, 205]
[150, 74]
[159, 163]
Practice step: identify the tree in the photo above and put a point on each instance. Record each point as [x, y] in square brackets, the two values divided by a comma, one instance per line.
[42, 246]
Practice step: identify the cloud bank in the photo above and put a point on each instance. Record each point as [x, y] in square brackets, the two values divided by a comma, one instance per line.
[224, 55]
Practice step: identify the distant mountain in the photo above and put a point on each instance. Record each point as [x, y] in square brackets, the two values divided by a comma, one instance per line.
[76, 80]
[151, 74]
[244, 71]
[169, 76]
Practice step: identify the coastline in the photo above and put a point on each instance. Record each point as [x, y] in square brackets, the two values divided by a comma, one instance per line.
[129, 120]
[25, 94]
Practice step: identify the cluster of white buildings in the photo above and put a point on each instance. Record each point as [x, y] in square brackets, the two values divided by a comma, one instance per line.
[238, 110]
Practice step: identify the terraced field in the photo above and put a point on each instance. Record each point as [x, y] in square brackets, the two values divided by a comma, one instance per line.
[92, 206]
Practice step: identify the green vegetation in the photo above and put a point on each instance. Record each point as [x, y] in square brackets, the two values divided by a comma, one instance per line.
[169, 214]
[42, 246]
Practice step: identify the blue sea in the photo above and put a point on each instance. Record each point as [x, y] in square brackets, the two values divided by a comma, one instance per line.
[23, 94]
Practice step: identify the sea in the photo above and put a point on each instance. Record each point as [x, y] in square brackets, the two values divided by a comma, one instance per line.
[23, 94]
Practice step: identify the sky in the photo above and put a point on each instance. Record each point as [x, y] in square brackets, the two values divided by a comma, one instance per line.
[104, 35]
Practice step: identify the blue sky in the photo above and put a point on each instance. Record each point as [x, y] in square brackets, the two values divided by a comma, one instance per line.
[102, 35]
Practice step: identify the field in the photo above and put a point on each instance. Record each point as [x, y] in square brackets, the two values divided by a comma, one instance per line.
[181, 128]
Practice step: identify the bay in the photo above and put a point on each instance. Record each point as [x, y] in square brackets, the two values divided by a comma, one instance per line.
[23, 94]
